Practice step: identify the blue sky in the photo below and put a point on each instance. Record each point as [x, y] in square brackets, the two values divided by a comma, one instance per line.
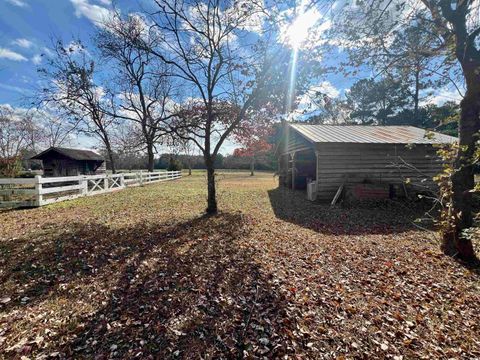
[28, 27]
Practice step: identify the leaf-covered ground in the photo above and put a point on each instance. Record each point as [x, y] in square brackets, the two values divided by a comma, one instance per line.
[142, 274]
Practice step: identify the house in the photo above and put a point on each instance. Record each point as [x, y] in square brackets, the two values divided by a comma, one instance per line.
[59, 161]
[369, 161]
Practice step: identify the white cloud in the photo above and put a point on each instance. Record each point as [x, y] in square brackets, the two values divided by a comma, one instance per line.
[75, 47]
[13, 113]
[24, 43]
[313, 99]
[443, 95]
[257, 14]
[95, 13]
[48, 52]
[19, 3]
[325, 87]
[11, 55]
[37, 59]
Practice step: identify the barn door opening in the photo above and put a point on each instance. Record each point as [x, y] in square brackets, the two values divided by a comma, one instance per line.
[304, 165]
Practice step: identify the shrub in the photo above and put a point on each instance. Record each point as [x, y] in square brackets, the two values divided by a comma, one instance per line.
[174, 165]
[27, 175]
[10, 167]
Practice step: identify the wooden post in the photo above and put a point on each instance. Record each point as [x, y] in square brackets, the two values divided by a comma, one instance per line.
[38, 190]
[105, 183]
[84, 185]
[293, 170]
[141, 178]
[122, 181]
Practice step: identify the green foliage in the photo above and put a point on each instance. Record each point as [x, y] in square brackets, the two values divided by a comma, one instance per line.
[27, 175]
[174, 165]
[376, 102]
[388, 102]
[447, 219]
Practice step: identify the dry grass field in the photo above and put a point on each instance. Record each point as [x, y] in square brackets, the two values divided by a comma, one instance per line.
[142, 273]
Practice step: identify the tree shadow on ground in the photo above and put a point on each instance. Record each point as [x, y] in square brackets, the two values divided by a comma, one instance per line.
[362, 218]
[59, 255]
[187, 290]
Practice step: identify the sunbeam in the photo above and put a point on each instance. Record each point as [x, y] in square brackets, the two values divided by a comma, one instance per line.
[295, 36]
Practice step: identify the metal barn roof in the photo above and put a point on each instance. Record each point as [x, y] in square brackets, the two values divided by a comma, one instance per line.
[364, 134]
[76, 154]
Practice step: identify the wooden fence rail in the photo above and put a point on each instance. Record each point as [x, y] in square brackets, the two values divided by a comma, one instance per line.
[41, 191]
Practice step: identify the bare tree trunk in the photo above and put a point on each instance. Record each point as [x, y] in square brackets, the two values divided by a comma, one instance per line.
[151, 157]
[189, 168]
[252, 166]
[211, 197]
[108, 147]
[463, 181]
[417, 94]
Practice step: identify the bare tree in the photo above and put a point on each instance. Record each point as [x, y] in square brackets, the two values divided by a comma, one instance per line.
[187, 148]
[143, 93]
[53, 130]
[17, 132]
[208, 46]
[69, 84]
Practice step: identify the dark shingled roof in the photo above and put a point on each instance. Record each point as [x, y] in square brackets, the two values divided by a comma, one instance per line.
[76, 154]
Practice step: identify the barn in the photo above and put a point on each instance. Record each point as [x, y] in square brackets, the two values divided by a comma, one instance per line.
[59, 161]
[364, 161]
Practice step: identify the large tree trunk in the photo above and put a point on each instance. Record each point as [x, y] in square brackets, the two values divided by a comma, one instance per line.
[463, 179]
[151, 157]
[108, 147]
[211, 197]
[252, 166]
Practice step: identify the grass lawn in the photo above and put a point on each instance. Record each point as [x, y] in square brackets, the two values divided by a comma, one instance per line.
[141, 273]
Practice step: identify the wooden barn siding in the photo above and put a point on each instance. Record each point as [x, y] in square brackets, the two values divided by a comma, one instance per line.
[297, 142]
[62, 167]
[70, 167]
[372, 162]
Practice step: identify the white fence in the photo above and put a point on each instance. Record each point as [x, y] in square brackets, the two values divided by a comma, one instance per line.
[39, 191]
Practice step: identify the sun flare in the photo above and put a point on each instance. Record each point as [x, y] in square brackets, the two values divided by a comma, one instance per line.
[297, 32]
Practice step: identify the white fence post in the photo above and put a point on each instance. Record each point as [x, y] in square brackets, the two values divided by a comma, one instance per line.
[141, 178]
[122, 180]
[105, 183]
[84, 183]
[38, 190]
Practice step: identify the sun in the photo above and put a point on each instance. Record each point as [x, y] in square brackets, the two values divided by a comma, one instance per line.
[297, 32]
